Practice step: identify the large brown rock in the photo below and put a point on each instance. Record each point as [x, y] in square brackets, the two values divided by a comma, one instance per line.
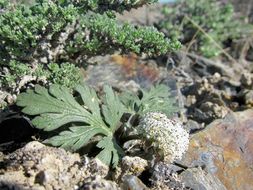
[225, 149]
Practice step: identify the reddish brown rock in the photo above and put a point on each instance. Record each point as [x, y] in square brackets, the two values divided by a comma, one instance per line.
[225, 148]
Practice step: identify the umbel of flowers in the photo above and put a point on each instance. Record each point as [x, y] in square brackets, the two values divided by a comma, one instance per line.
[167, 136]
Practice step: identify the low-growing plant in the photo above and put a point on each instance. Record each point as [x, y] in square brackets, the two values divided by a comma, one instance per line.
[202, 25]
[59, 32]
[91, 116]
[65, 74]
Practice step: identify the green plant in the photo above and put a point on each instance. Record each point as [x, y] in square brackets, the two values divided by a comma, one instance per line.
[18, 74]
[91, 118]
[155, 99]
[203, 25]
[57, 32]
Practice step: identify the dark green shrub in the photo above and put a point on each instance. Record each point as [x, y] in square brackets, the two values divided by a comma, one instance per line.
[43, 40]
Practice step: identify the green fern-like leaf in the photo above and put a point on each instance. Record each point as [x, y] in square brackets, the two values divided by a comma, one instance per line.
[111, 151]
[113, 109]
[156, 99]
[56, 107]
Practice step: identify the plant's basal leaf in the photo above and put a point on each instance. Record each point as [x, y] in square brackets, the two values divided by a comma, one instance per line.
[157, 99]
[52, 121]
[37, 101]
[112, 109]
[89, 98]
[91, 101]
[130, 101]
[111, 151]
[76, 137]
[56, 107]
[159, 91]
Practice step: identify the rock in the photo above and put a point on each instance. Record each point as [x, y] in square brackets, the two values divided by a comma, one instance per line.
[193, 126]
[1, 157]
[248, 98]
[247, 80]
[133, 165]
[209, 98]
[96, 167]
[196, 178]
[98, 183]
[164, 177]
[124, 72]
[216, 111]
[3, 101]
[40, 167]
[244, 8]
[249, 56]
[133, 146]
[205, 161]
[130, 166]
[131, 182]
[227, 145]
[190, 100]
[11, 186]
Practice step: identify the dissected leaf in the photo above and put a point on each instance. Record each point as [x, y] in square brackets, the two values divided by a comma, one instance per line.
[156, 99]
[89, 97]
[131, 101]
[112, 108]
[76, 137]
[111, 151]
[56, 107]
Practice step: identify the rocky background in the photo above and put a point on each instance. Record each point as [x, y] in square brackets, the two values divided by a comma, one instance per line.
[245, 7]
[215, 97]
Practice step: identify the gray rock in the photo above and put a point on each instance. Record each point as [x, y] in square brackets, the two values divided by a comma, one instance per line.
[248, 97]
[206, 162]
[193, 126]
[98, 183]
[131, 182]
[164, 176]
[247, 80]
[198, 179]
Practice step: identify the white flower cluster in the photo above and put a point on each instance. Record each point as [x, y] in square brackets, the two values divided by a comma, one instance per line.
[166, 134]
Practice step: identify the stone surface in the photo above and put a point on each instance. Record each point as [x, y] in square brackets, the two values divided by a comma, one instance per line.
[131, 182]
[133, 165]
[209, 98]
[225, 148]
[98, 183]
[123, 72]
[248, 98]
[40, 167]
[247, 80]
[165, 177]
[197, 179]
